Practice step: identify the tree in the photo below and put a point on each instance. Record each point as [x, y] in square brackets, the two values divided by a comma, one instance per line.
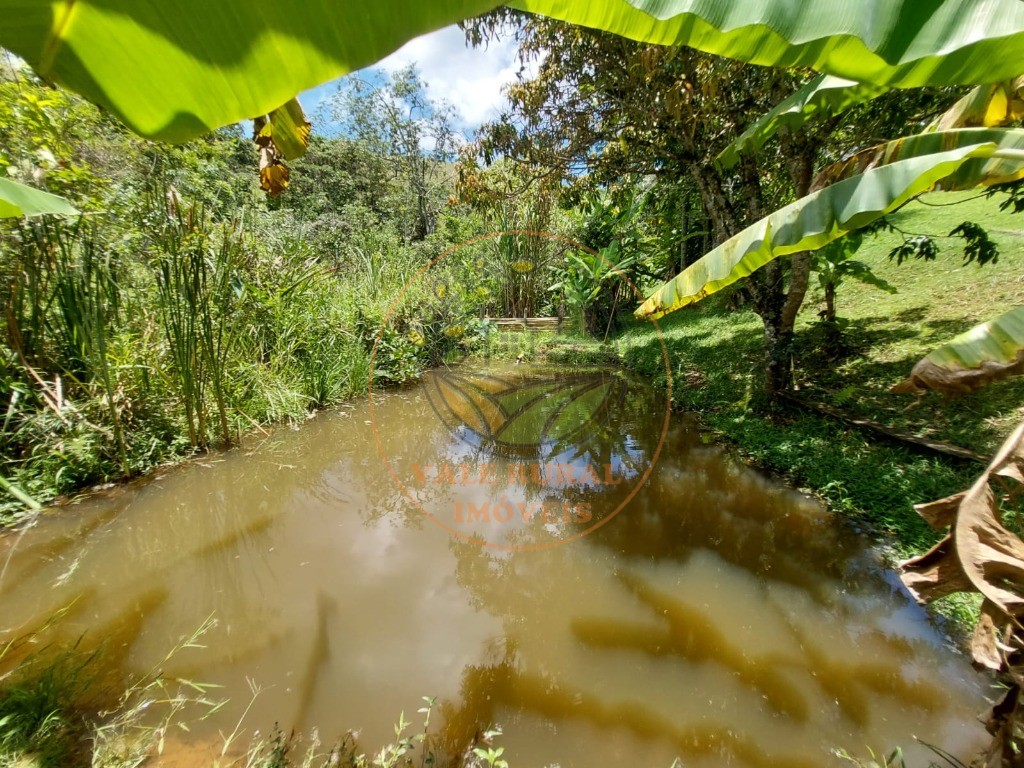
[397, 120]
[525, 214]
[611, 107]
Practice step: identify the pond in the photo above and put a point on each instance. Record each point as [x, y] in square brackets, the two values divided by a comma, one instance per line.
[537, 548]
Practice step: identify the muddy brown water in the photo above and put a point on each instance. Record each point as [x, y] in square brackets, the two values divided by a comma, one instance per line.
[502, 541]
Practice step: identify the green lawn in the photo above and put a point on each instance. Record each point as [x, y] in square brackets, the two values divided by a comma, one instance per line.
[935, 301]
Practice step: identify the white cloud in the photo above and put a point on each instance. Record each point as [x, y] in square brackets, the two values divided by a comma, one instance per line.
[471, 79]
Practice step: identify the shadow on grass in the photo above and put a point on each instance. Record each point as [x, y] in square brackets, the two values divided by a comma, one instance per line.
[911, 315]
[861, 384]
[944, 330]
[728, 357]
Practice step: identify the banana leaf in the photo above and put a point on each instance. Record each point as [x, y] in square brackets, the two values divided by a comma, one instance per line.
[287, 128]
[823, 96]
[986, 353]
[21, 200]
[173, 71]
[987, 106]
[816, 220]
[1005, 166]
[282, 135]
[898, 43]
[979, 553]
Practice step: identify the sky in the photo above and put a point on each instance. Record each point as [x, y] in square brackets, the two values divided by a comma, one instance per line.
[471, 79]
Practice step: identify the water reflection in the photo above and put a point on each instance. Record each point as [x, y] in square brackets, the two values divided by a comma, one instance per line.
[719, 617]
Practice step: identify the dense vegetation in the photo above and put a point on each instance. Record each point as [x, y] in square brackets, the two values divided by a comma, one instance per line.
[184, 308]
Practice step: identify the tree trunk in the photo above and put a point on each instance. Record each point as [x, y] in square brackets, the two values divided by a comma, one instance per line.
[830, 302]
[799, 278]
[769, 303]
[716, 203]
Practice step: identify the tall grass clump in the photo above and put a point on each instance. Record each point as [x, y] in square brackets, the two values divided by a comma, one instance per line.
[58, 709]
[42, 721]
[87, 298]
[196, 278]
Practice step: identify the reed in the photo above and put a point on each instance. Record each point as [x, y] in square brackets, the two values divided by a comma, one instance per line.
[194, 277]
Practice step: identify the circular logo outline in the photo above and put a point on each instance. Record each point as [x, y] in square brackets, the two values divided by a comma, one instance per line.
[474, 538]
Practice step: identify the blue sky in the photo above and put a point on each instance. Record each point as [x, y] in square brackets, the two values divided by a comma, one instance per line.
[471, 79]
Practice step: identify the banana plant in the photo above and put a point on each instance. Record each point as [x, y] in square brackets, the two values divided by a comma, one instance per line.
[986, 106]
[585, 275]
[591, 283]
[175, 73]
[822, 96]
[850, 195]
[834, 264]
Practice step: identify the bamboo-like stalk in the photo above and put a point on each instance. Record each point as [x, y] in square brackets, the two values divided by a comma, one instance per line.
[82, 303]
[194, 276]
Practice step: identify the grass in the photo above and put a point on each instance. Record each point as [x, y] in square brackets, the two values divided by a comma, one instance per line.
[55, 712]
[935, 301]
[716, 362]
[42, 722]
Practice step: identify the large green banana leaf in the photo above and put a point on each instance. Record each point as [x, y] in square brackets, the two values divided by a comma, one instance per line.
[999, 168]
[988, 352]
[21, 200]
[824, 95]
[824, 216]
[899, 43]
[175, 70]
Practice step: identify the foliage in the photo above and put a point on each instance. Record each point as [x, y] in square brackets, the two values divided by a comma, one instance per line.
[593, 282]
[614, 107]
[55, 710]
[40, 711]
[175, 76]
[22, 200]
[1000, 166]
[810, 223]
[185, 309]
[988, 105]
[522, 213]
[824, 95]
[399, 123]
[833, 264]
[887, 43]
[282, 135]
[980, 554]
[42, 132]
[198, 284]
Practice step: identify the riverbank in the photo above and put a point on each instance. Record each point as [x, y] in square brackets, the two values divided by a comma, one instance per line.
[276, 542]
[871, 480]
